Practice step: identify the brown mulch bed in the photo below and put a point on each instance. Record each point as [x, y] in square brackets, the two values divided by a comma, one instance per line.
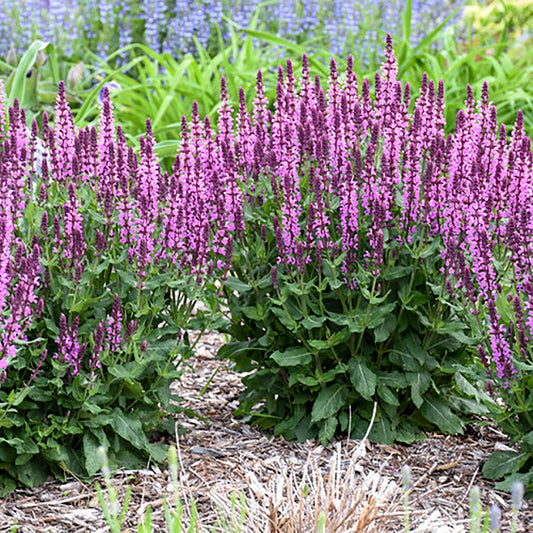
[223, 455]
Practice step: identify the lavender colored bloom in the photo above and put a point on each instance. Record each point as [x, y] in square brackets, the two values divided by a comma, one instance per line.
[64, 136]
[147, 201]
[517, 495]
[495, 517]
[6, 240]
[172, 26]
[70, 351]
[154, 14]
[72, 242]
[22, 298]
[106, 11]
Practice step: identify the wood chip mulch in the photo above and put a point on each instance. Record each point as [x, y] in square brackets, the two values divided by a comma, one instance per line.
[358, 481]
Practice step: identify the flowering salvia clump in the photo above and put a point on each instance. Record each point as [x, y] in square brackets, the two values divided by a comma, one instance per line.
[102, 256]
[160, 220]
[368, 261]
[371, 239]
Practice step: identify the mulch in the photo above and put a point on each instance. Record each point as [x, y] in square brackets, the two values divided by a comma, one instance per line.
[220, 456]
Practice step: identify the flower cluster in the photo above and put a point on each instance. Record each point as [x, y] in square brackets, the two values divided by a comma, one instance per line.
[182, 222]
[351, 173]
[367, 176]
[21, 279]
[172, 27]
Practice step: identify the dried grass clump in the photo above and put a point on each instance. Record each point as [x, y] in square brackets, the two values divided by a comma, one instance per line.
[306, 499]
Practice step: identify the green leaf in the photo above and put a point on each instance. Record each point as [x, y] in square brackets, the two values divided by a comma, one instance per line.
[90, 452]
[410, 355]
[33, 473]
[397, 272]
[329, 401]
[455, 330]
[236, 349]
[406, 432]
[129, 428]
[292, 357]
[406, 22]
[312, 322]
[527, 442]
[18, 86]
[7, 484]
[405, 360]
[120, 371]
[525, 478]
[387, 395]
[235, 284]
[337, 338]
[431, 249]
[501, 463]
[437, 412]
[128, 278]
[327, 430]
[362, 378]
[308, 381]
[384, 330]
[464, 386]
[392, 379]
[332, 373]
[419, 382]
[55, 452]
[378, 315]
[381, 432]
[51, 326]
[159, 452]
[287, 319]
[412, 345]
[252, 313]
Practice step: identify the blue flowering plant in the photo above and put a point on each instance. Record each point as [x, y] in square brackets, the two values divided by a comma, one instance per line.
[107, 25]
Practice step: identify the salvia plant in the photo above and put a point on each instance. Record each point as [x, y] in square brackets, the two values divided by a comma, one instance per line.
[102, 257]
[379, 260]
[174, 26]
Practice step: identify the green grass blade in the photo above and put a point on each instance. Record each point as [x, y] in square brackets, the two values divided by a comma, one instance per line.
[17, 85]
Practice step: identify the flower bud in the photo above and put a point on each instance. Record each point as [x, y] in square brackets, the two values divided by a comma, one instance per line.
[495, 517]
[39, 309]
[275, 281]
[11, 58]
[40, 59]
[517, 494]
[406, 477]
[74, 76]
[131, 329]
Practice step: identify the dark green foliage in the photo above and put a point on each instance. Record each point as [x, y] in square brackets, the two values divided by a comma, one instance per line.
[55, 425]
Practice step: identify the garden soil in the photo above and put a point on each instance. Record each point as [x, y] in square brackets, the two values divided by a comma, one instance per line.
[220, 457]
